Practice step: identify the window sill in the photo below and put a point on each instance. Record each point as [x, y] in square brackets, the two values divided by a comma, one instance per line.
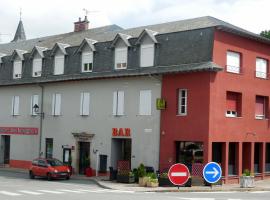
[234, 117]
[143, 115]
[266, 78]
[119, 68]
[87, 71]
[178, 115]
[240, 73]
[15, 115]
[261, 119]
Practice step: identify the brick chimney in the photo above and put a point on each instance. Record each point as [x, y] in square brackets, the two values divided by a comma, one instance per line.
[81, 25]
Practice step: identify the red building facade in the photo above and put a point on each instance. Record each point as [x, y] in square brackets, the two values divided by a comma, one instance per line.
[227, 112]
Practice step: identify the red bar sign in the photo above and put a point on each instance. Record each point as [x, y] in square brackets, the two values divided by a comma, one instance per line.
[124, 132]
[19, 130]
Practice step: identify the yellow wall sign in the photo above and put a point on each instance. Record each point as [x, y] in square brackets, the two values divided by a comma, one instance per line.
[160, 104]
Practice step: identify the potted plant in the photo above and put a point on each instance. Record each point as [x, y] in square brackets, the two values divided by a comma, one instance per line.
[164, 180]
[142, 176]
[124, 176]
[152, 181]
[247, 179]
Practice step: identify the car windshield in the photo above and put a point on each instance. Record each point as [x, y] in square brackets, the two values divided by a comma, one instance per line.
[54, 162]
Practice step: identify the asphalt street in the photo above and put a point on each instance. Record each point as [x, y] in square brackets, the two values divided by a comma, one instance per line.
[17, 186]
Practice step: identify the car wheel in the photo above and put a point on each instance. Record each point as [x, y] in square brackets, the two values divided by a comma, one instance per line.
[31, 175]
[49, 177]
[68, 177]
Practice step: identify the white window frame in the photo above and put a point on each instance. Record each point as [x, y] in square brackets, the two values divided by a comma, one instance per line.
[118, 103]
[87, 59]
[17, 69]
[230, 113]
[120, 62]
[147, 63]
[233, 65]
[180, 105]
[145, 103]
[37, 67]
[56, 104]
[34, 100]
[15, 110]
[59, 70]
[261, 68]
[85, 104]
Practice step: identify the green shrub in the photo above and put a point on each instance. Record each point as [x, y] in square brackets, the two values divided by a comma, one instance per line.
[246, 172]
[153, 180]
[151, 175]
[141, 171]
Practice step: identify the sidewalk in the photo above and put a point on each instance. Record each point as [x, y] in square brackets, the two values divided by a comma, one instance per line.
[103, 182]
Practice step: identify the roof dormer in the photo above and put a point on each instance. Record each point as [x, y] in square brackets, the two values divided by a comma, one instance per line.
[121, 40]
[38, 50]
[17, 53]
[1, 56]
[87, 44]
[147, 34]
[59, 48]
[59, 52]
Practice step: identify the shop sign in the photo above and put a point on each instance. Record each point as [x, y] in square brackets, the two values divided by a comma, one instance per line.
[18, 130]
[121, 132]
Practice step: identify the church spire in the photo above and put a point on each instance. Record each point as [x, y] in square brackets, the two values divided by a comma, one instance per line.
[20, 34]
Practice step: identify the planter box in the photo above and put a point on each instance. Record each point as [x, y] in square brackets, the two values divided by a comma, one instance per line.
[151, 184]
[143, 181]
[165, 182]
[247, 181]
[125, 179]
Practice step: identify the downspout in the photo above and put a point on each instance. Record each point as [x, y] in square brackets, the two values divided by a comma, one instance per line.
[41, 120]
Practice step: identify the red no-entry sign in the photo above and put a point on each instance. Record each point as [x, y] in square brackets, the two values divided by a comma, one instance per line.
[178, 174]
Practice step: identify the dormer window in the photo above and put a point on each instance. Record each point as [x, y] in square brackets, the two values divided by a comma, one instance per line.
[17, 69]
[121, 57]
[87, 61]
[37, 67]
[59, 63]
[147, 55]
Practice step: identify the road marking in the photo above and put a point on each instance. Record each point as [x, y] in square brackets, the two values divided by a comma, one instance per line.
[121, 191]
[9, 193]
[50, 191]
[29, 192]
[179, 174]
[259, 192]
[197, 198]
[72, 191]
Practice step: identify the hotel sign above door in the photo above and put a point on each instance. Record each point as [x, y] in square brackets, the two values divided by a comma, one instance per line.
[121, 132]
[19, 130]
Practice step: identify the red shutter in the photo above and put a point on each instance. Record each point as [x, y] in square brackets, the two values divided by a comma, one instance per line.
[232, 101]
[259, 109]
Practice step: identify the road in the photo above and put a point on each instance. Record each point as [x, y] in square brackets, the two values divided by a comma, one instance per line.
[17, 186]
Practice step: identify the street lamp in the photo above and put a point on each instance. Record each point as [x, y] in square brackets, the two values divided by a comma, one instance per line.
[36, 110]
[41, 114]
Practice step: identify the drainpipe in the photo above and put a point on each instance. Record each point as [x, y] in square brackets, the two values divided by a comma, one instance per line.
[41, 113]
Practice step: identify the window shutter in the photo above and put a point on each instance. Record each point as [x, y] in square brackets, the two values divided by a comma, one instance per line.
[59, 62]
[147, 55]
[114, 103]
[53, 104]
[37, 67]
[17, 69]
[120, 56]
[120, 106]
[260, 106]
[15, 105]
[85, 102]
[145, 102]
[232, 101]
[233, 62]
[57, 104]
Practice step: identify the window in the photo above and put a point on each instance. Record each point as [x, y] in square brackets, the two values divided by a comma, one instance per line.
[17, 69]
[87, 61]
[59, 62]
[34, 100]
[15, 105]
[118, 103]
[49, 148]
[261, 68]
[261, 107]
[121, 58]
[233, 104]
[182, 102]
[37, 67]
[56, 104]
[85, 101]
[233, 62]
[145, 102]
[147, 55]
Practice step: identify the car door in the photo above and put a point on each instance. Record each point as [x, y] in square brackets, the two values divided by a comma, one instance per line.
[42, 168]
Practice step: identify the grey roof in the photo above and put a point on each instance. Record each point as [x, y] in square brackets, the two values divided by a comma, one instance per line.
[146, 71]
[108, 33]
[20, 34]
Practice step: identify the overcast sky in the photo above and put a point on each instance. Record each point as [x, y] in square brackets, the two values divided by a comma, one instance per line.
[48, 17]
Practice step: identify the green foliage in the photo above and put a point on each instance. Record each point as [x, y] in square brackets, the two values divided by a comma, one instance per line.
[153, 180]
[246, 172]
[151, 175]
[135, 172]
[265, 34]
[141, 170]
[164, 175]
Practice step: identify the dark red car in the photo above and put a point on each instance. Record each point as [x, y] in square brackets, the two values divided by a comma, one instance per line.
[50, 168]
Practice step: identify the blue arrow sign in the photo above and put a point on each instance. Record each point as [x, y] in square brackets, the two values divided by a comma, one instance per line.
[212, 172]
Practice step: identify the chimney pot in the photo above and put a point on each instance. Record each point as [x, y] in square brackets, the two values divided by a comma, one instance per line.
[81, 25]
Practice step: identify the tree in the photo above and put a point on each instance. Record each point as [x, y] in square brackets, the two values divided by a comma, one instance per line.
[265, 34]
